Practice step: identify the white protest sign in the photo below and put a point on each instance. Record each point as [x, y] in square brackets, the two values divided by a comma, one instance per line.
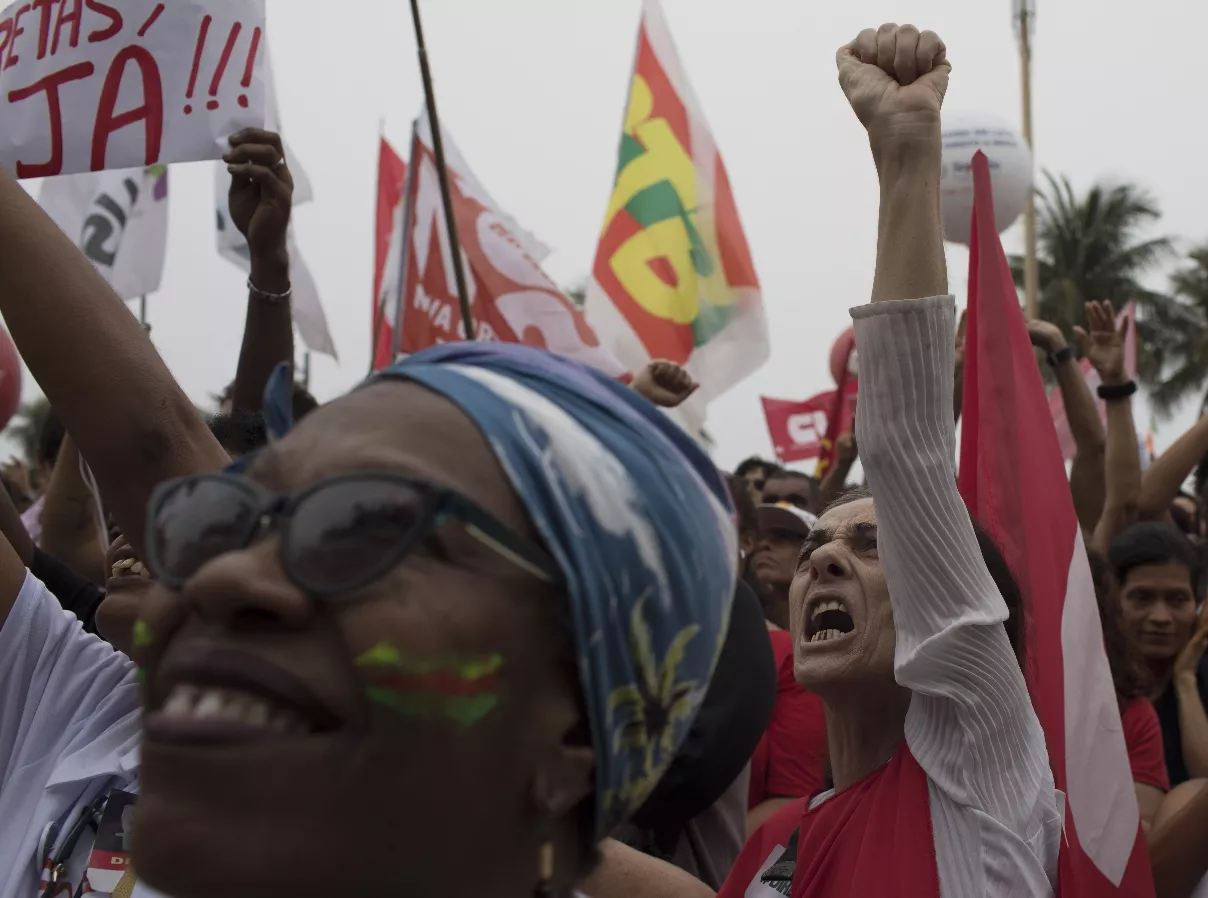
[87, 85]
[118, 219]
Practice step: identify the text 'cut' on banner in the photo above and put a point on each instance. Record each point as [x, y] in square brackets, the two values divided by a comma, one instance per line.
[87, 85]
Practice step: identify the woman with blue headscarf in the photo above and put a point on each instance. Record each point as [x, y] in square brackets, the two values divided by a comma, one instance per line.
[438, 639]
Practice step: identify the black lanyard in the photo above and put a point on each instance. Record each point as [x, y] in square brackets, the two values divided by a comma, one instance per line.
[90, 819]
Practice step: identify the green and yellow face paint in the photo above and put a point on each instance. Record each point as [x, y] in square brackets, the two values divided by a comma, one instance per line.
[141, 641]
[456, 687]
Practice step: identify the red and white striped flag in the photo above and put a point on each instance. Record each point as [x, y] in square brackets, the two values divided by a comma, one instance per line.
[388, 227]
[1013, 480]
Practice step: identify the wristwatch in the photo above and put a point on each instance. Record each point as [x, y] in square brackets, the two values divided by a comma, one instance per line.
[1062, 355]
[1112, 392]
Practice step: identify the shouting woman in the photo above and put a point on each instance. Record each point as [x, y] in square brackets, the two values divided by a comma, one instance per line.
[942, 782]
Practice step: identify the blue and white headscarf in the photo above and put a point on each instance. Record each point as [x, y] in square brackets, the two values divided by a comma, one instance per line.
[640, 522]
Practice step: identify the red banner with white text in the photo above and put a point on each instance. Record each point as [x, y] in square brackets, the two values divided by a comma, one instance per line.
[511, 298]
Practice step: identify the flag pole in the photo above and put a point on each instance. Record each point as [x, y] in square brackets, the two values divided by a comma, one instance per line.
[404, 256]
[306, 370]
[1025, 21]
[142, 313]
[442, 173]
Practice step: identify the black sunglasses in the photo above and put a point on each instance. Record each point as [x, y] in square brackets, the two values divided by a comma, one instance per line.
[337, 535]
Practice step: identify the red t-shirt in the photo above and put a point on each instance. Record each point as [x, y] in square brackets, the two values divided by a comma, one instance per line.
[1143, 737]
[790, 760]
[873, 838]
[764, 848]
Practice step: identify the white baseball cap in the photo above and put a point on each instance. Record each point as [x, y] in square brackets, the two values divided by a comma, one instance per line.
[783, 516]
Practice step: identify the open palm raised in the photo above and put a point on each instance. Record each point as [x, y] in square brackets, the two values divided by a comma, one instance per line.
[1103, 346]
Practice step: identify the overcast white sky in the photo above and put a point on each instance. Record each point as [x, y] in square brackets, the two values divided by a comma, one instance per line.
[533, 92]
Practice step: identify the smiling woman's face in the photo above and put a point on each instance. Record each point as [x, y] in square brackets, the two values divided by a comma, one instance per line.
[839, 609]
[300, 748]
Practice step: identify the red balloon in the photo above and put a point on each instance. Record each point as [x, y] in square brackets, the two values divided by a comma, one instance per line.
[841, 354]
[10, 378]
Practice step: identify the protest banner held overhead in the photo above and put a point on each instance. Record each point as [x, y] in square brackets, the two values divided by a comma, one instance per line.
[673, 276]
[119, 219]
[511, 297]
[88, 86]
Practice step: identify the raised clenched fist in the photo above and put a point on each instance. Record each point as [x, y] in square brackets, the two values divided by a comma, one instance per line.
[895, 78]
[664, 383]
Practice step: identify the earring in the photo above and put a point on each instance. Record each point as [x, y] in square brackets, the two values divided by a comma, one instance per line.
[545, 871]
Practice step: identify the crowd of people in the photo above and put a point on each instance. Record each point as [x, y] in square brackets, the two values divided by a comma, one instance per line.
[493, 625]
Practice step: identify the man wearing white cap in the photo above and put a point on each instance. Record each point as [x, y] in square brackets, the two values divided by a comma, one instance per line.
[783, 529]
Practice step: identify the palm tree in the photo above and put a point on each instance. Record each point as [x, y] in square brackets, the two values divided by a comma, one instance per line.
[1090, 248]
[1186, 354]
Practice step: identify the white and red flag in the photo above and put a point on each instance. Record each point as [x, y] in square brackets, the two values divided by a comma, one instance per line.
[511, 298]
[798, 429]
[388, 244]
[1013, 480]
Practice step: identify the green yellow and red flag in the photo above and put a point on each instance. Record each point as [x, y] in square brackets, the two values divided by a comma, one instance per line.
[673, 276]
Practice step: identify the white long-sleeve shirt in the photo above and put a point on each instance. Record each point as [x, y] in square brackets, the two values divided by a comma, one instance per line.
[971, 725]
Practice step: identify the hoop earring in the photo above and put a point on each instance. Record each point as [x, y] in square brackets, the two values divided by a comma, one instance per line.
[545, 870]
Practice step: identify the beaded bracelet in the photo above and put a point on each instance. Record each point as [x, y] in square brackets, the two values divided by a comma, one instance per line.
[271, 297]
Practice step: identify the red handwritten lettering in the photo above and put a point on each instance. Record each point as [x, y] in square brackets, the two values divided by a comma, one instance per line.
[6, 34]
[155, 13]
[151, 112]
[10, 58]
[50, 84]
[43, 7]
[67, 18]
[114, 17]
[225, 58]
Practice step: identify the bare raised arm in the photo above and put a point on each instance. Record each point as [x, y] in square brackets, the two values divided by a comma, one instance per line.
[127, 414]
[1165, 476]
[261, 199]
[1087, 473]
[1103, 345]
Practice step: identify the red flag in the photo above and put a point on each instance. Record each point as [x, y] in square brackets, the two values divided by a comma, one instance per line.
[798, 428]
[392, 180]
[1013, 480]
[841, 419]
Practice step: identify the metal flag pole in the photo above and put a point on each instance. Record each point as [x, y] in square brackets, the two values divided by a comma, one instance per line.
[306, 370]
[1025, 23]
[404, 255]
[142, 313]
[442, 173]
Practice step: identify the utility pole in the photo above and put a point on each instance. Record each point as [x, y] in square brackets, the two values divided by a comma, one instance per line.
[1025, 25]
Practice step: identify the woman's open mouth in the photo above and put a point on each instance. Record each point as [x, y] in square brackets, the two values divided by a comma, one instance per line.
[227, 697]
[828, 619]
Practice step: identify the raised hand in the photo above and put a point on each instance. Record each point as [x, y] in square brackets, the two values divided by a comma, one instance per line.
[895, 78]
[262, 191]
[664, 383]
[1046, 337]
[845, 449]
[1103, 346]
